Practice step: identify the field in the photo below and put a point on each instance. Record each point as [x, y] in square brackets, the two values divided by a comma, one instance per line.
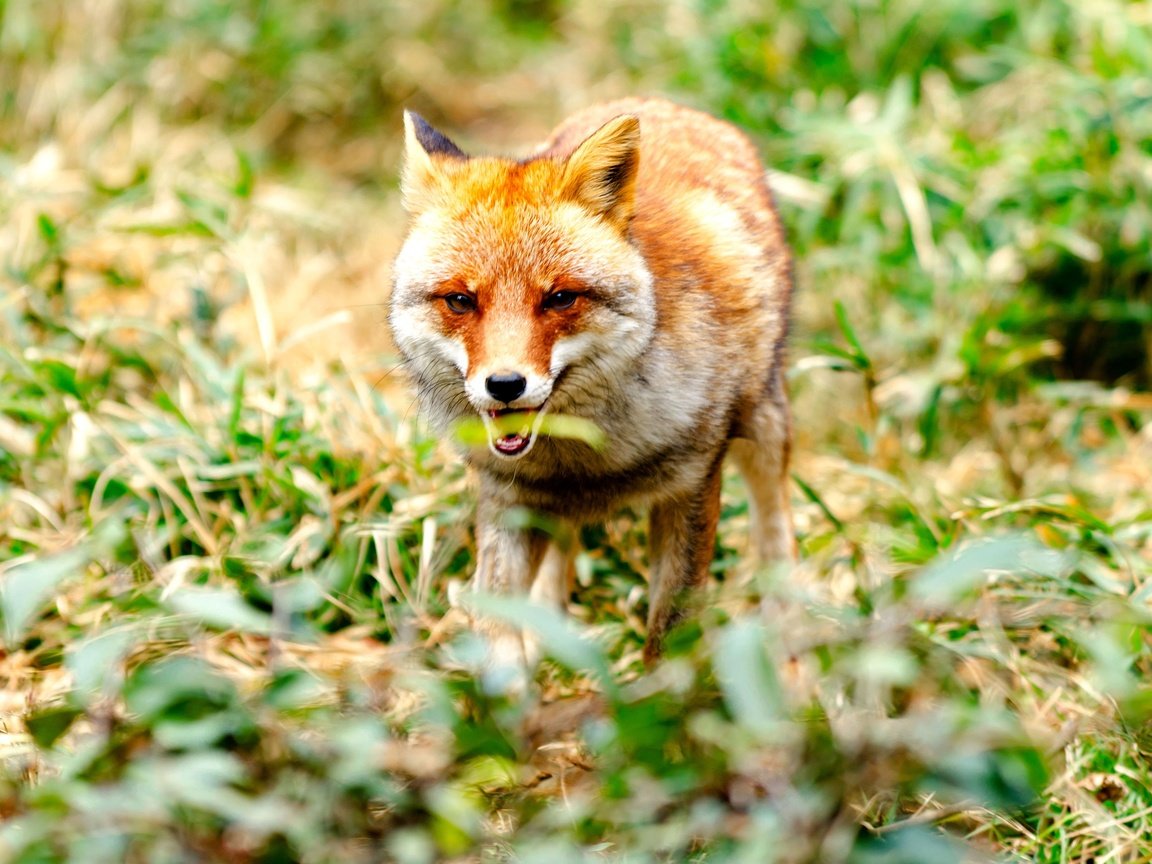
[228, 545]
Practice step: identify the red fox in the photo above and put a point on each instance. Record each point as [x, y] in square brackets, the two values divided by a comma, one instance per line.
[631, 272]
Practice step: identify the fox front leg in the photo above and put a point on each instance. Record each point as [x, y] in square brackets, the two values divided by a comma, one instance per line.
[682, 534]
[520, 561]
[552, 567]
[503, 566]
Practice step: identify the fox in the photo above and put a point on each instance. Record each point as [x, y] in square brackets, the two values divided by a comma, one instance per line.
[631, 271]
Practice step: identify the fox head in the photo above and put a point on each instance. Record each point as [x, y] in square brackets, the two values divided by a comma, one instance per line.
[517, 289]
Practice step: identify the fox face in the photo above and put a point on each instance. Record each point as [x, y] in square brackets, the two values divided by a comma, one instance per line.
[517, 290]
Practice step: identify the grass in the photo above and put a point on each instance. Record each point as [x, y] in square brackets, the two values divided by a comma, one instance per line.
[227, 546]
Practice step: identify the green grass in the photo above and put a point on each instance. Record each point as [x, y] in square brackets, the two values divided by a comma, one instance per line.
[227, 546]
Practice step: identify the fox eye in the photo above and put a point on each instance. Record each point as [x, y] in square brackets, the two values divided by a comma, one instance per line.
[460, 303]
[560, 300]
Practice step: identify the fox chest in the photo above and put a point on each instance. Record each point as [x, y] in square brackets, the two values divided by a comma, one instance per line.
[584, 491]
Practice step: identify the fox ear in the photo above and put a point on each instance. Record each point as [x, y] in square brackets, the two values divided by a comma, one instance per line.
[601, 173]
[424, 147]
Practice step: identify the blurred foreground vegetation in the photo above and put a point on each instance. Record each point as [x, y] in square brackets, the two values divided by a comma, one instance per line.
[226, 546]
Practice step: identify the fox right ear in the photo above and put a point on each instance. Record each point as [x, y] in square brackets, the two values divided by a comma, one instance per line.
[601, 173]
[423, 148]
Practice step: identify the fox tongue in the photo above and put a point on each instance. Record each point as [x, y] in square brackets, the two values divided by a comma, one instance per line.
[511, 444]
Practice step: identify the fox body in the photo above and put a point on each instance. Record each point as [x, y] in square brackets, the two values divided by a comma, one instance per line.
[631, 272]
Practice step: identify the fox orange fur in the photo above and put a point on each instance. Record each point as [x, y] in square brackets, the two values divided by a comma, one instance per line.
[631, 272]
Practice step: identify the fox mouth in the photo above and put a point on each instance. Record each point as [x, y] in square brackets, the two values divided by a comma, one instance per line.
[512, 431]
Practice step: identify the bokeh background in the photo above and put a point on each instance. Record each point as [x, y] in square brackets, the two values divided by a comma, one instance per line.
[227, 545]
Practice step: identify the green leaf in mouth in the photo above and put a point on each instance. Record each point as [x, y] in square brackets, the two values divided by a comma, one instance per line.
[473, 431]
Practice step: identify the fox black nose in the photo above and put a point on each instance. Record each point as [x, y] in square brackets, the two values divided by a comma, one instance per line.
[506, 386]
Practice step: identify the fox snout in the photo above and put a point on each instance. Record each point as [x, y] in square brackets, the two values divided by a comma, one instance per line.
[512, 407]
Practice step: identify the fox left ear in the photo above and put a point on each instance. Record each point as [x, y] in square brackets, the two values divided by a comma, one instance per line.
[423, 148]
[601, 173]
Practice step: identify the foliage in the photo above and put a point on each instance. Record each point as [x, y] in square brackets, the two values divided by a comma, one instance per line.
[228, 553]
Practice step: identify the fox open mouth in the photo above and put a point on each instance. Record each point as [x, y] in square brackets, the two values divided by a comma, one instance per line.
[512, 431]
